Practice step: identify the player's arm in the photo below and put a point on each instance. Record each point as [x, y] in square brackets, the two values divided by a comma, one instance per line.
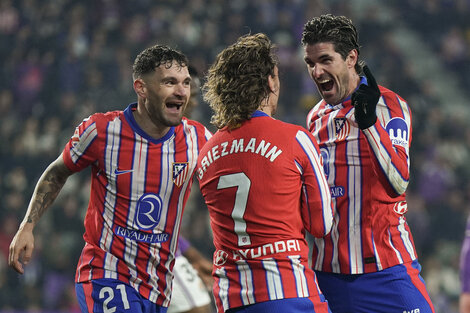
[317, 211]
[48, 187]
[392, 160]
[202, 265]
[464, 303]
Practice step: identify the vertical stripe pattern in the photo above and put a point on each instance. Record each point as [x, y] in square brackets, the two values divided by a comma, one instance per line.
[135, 208]
[367, 173]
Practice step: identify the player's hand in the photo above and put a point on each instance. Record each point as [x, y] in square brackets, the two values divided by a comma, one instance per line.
[204, 269]
[365, 100]
[21, 249]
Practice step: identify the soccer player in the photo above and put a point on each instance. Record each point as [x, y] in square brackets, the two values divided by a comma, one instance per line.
[368, 262]
[192, 271]
[142, 162]
[263, 183]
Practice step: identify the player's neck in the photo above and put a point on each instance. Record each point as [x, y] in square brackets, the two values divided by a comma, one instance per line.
[150, 127]
[268, 106]
[266, 110]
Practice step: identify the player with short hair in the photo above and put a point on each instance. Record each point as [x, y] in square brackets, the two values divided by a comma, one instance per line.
[192, 271]
[263, 183]
[142, 162]
[368, 262]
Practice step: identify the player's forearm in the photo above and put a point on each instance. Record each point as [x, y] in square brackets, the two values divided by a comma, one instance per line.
[46, 191]
[392, 162]
[193, 255]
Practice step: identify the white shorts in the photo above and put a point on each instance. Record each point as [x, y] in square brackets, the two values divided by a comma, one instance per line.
[188, 289]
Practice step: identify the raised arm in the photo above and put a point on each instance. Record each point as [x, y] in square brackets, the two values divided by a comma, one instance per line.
[48, 187]
[389, 143]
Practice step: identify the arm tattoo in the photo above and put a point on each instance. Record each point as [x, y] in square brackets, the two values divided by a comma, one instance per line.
[46, 191]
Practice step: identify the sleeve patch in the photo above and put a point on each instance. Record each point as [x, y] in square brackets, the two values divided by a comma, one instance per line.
[397, 129]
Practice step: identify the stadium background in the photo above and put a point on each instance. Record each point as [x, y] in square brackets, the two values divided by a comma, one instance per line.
[62, 60]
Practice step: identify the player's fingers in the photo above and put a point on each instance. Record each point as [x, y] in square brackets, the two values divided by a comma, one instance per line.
[12, 254]
[370, 78]
[13, 260]
[28, 252]
[17, 266]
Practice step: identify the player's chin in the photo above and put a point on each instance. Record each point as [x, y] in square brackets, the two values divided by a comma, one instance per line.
[174, 120]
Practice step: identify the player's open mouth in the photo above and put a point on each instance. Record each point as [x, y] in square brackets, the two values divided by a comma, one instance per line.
[176, 105]
[326, 84]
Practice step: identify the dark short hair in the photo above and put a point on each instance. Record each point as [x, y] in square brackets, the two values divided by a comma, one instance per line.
[338, 30]
[151, 58]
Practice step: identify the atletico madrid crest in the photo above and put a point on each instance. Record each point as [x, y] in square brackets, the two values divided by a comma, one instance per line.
[180, 173]
[342, 128]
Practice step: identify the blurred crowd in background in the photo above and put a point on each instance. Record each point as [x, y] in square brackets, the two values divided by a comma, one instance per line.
[63, 60]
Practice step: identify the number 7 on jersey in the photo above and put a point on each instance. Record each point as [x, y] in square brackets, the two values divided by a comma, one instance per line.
[243, 183]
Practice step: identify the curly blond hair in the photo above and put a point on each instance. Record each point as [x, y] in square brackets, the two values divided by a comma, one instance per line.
[237, 82]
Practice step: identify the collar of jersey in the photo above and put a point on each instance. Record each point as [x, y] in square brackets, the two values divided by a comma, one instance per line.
[258, 113]
[132, 122]
[340, 105]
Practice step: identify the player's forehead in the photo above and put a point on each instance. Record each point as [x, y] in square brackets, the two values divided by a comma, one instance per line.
[172, 69]
[319, 49]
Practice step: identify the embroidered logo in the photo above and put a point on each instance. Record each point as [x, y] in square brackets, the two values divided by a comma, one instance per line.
[400, 207]
[342, 128]
[119, 172]
[148, 211]
[220, 257]
[398, 131]
[180, 173]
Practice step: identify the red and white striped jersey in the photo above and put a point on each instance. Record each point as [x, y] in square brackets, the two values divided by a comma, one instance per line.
[139, 187]
[368, 173]
[264, 185]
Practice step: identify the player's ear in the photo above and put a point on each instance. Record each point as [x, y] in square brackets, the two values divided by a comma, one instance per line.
[352, 58]
[139, 87]
[273, 86]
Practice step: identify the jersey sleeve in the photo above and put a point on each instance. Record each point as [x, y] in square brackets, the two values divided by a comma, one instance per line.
[81, 150]
[317, 211]
[389, 140]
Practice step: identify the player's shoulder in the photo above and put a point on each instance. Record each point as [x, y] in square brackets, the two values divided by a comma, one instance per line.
[188, 121]
[319, 105]
[289, 126]
[390, 95]
[285, 129]
[101, 119]
[315, 110]
[106, 116]
[187, 124]
[394, 104]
